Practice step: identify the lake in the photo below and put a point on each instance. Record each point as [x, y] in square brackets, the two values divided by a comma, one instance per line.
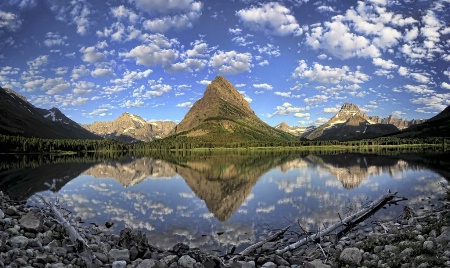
[214, 200]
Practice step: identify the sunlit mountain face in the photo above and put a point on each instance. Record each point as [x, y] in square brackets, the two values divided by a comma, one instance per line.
[294, 61]
[215, 200]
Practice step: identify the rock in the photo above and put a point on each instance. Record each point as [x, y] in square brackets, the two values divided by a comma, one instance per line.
[318, 264]
[2, 214]
[444, 237]
[407, 252]
[31, 223]
[119, 264]
[133, 253]
[101, 256]
[147, 264]
[295, 260]
[280, 261]
[180, 249]
[119, 255]
[186, 262]
[269, 265]
[351, 256]
[170, 259]
[428, 245]
[390, 248]
[242, 264]
[12, 211]
[19, 241]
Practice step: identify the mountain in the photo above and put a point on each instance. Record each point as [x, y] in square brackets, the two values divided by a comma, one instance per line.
[296, 131]
[350, 123]
[19, 117]
[131, 127]
[437, 126]
[223, 115]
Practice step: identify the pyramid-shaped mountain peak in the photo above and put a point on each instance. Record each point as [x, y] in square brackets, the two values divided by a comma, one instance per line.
[350, 107]
[220, 100]
[224, 114]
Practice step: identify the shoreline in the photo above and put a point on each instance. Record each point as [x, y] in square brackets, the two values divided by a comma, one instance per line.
[30, 238]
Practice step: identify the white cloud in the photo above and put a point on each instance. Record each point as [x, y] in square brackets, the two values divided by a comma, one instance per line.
[79, 71]
[54, 39]
[55, 85]
[132, 104]
[38, 63]
[419, 89]
[287, 109]
[332, 110]
[91, 55]
[166, 23]
[316, 99]
[83, 87]
[231, 62]
[271, 18]
[151, 54]
[9, 21]
[263, 86]
[445, 85]
[302, 115]
[328, 75]
[168, 6]
[185, 104]
[100, 72]
[123, 12]
[385, 64]
[337, 39]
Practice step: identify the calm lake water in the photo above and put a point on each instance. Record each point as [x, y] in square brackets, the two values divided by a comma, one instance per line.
[215, 200]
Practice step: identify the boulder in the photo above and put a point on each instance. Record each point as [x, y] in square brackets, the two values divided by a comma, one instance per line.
[31, 223]
[186, 262]
[351, 256]
[119, 255]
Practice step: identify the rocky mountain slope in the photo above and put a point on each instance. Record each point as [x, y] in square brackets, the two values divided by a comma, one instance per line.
[351, 123]
[19, 117]
[223, 115]
[437, 126]
[131, 127]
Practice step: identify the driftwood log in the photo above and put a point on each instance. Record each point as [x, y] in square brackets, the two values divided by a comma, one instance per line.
[348, 220]
[80, 243]
[255, 246]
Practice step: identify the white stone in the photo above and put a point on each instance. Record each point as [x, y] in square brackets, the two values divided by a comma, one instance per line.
[186, 262]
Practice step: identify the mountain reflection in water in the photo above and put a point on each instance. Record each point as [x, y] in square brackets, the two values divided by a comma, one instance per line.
[195, 197]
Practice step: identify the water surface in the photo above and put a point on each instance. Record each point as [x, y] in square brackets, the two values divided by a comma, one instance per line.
[215, 200]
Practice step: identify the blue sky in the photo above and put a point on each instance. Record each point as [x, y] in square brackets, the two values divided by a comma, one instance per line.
[296, 61]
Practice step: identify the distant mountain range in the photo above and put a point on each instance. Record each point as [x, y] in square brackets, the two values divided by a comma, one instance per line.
[222, 115]
[130, 127]
[19, 117]
[351, 123]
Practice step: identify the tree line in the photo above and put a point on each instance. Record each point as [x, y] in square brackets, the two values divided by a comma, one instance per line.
[18, 144]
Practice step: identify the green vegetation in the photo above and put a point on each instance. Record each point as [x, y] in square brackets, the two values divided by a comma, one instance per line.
[182, 142]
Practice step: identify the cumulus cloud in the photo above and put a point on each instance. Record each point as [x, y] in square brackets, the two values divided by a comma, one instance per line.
[263, 86]
[168, 6]
[151, 54]
[445, 85]
[92, 55]
[317, 99]
[231, 62]
[328, 75]
[271, 18]
[287, 109]
[9, 21]
[187, 104]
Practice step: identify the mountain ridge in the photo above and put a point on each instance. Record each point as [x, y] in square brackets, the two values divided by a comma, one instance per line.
[351, 123]
[19, 117]
[131, 127]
